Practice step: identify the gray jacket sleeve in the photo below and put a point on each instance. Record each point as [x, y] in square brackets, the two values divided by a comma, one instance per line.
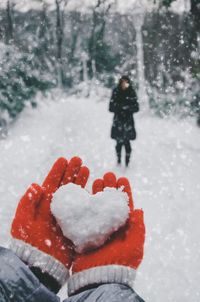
[107, 292]
[18, 283]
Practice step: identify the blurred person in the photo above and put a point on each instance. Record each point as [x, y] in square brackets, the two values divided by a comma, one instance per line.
[123, 104]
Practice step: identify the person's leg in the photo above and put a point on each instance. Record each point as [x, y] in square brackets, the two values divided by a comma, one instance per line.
[128, 149]
[118, 149]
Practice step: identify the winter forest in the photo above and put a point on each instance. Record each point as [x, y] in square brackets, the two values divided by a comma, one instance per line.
[59, 61]
[48, 44]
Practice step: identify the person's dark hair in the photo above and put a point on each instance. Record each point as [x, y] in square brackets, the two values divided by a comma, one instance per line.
[126, 78]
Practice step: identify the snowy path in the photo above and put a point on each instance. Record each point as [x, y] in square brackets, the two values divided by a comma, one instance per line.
[164, 174]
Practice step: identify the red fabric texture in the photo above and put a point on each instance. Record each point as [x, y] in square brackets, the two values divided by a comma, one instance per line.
[126, 246]
[33, 222]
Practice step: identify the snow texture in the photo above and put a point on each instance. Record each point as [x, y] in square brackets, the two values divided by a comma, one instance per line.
[164, 174]
[88, 220]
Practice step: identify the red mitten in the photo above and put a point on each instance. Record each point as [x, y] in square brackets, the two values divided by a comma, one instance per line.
[117, 260]
[36, 237]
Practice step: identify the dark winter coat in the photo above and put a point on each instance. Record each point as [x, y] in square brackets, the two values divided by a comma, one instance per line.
[123, 103]
[19, 284]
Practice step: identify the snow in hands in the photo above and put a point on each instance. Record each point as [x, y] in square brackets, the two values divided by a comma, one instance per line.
[88, 220]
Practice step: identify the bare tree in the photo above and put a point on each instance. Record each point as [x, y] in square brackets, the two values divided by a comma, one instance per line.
[195, 12]
[9, 29]
[99, 16]
[60, 16]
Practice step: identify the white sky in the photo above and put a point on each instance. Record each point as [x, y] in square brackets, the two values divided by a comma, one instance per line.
[24, 5]
[180, 6]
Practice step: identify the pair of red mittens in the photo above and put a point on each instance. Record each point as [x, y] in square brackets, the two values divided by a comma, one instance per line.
[38, 240]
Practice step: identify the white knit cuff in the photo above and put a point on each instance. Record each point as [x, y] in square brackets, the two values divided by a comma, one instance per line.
[33, 257]
[101, 275]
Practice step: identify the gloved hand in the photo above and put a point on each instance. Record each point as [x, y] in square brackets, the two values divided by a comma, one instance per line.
[36, 237]
[117, 260]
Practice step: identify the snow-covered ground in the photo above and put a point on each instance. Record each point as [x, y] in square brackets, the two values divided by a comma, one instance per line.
[164, 174]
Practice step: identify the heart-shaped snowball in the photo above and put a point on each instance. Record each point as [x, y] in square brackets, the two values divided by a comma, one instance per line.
[88, 220]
